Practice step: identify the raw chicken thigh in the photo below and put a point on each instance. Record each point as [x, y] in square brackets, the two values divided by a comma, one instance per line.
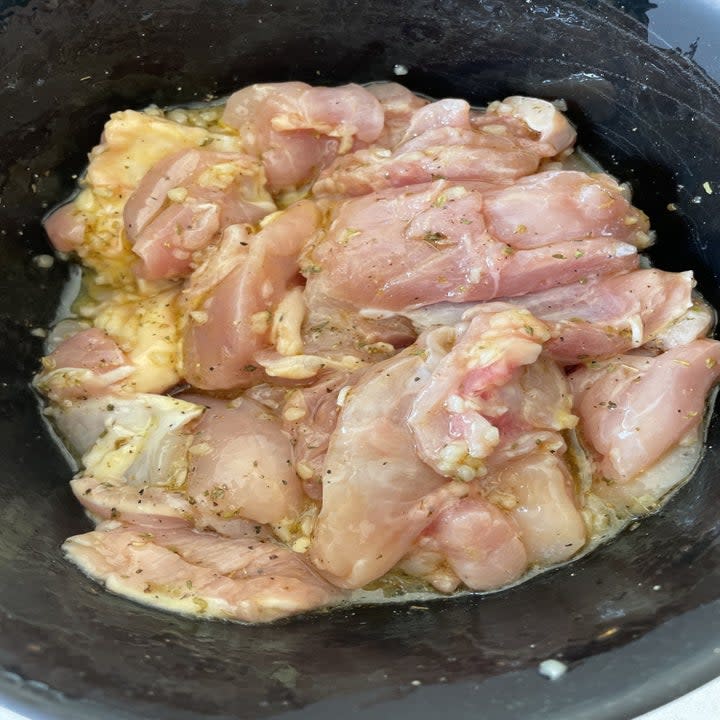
[333, 341]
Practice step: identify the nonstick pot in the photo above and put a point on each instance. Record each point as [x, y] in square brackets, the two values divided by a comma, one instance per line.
[637, 622]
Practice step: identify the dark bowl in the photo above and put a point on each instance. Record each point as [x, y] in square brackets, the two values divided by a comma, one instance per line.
[638, 621]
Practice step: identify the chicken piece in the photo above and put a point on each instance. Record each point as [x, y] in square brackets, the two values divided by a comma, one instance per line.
[538, 491]
[335, 329]
[401, 249]
[399, 105]
[233, 323]
[92, 224]
[113, 498]
[556, 206]
[478, 543]
[642, 494]
[487, 540]
[230, 252]
[462, 401]
[540, 116]
[634, 409]
[378, 495]
[603, 316]
[144, 440]
[452, 416]
[611, 315]
[310, 416]
[241, 464]
[133, 453]
[65, 227]
[296, 129]
[200, 573]
[443, 140]
[185, 201]
[84, 365]
[138, 437]
[529, 412]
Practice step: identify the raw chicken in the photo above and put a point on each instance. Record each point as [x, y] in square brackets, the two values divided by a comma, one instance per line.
[399, 249]
[233, 322]
[624, 416]
[86, 364]
[697, 322]
[241, 464]
[473, 542]
[136, 437]
[133, 452]
[452, 417]
[296, 129]
[643, 493]
[132, 348]
[399, 105]
[433, 356]
[541, 116]
[561, 205]
[92, 224]
[443, 401]
[310, 416]
[603, 316]
[611, 315]
[378, 495]
[185, 202]
[539, 494]
[181, 569]
[444, 141]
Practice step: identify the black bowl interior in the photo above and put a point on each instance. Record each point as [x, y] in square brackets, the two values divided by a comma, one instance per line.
[637, 621]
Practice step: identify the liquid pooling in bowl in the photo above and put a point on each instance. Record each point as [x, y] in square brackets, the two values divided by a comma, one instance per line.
[353, 345]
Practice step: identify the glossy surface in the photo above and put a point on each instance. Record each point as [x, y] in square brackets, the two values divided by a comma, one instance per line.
[637, 621]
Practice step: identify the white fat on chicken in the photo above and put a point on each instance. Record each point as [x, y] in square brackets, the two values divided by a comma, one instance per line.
[141, 439]
[147, 330]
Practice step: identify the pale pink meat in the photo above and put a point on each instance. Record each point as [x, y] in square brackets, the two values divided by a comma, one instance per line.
[399, 249]
[440, 407]
[91, 349]
[221, 342]
[539, 492]
[241, 464]
[612, 315]
[87, 364]
[216, 190]
[444, 362]
[443, 141]
[65, 228]
[454, 416]
[480, 543]
[296, 129]
[531, 411]
[377, 493]
[540, 116]
[696, 322]
[633, 409]
[560, 205]
[310, 432]
[247, 579]
[399, 105]
[439, 114]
